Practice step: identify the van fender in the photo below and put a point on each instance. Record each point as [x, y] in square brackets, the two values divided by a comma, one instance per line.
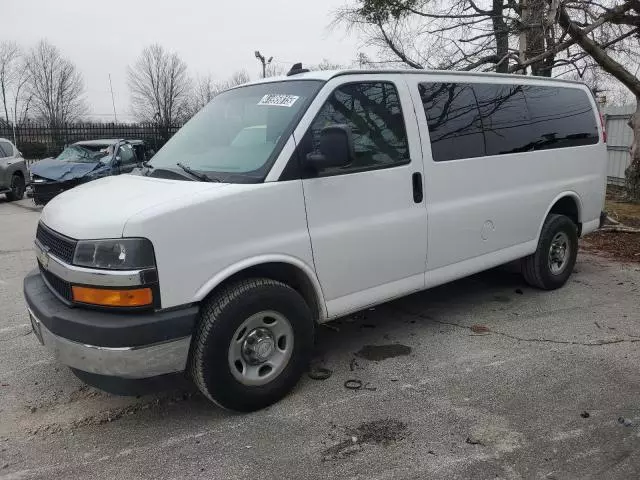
[246, 263]
[568, 193]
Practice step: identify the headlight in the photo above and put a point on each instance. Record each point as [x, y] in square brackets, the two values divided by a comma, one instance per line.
[116, 254]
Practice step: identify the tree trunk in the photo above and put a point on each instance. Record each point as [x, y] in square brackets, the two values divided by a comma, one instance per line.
[533, 23]
[632, 173]
[501, 33]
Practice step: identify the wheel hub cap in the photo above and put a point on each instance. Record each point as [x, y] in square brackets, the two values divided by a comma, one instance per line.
[258, 346]
[559, 253]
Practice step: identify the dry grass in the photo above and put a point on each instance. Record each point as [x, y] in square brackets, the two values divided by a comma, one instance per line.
[619, 245]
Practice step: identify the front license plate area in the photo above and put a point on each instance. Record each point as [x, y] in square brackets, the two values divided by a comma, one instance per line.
[35, 326]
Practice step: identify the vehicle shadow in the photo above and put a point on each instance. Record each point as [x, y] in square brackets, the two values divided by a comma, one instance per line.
[388, 322]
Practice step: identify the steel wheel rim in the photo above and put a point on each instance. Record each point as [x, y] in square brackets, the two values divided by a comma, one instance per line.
[559, 253]
[260, 348]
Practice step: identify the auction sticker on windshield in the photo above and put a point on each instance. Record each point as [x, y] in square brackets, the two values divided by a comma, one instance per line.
[278, 100]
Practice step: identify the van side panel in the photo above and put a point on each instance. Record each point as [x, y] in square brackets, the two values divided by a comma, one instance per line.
[477, 206]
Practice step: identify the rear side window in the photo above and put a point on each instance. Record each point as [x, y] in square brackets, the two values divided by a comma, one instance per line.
[474, 120]
[372, 111]
[505, 118]
[563, 117]
[454, 121]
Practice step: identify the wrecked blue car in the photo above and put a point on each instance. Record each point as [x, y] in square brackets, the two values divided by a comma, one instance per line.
[82, 162]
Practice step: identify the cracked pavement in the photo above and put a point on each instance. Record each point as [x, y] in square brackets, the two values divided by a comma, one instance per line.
[493, 380]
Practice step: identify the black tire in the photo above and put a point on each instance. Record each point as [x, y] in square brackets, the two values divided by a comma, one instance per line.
[17, 188]
[537, 269]
[221, 316]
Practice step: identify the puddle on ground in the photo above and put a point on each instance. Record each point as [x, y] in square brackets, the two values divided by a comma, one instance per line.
[382, 352]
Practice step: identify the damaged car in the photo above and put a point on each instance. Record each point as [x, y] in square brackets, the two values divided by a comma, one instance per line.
[82, 162]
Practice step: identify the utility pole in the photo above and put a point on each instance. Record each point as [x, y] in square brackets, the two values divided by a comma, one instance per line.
[264, 62]
[113, 102]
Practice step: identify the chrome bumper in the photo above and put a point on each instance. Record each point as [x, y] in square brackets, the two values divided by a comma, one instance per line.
[127, 362]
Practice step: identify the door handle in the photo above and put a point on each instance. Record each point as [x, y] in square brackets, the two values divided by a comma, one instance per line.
[416, 180]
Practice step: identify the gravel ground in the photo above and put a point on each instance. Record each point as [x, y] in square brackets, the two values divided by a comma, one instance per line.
[481, 378]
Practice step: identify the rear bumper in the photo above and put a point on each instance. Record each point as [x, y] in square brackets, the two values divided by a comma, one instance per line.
[128, 345]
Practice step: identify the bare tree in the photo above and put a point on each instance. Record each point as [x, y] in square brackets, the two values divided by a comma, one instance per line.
[238, 78]
[55, 85]
[275, 70]
[326, 65]
[206, 88]
[203, 92]
[9, 57]
[160, 88]
[508, 36]
[626, 16]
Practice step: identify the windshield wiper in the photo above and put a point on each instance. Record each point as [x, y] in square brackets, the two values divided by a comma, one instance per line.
[199, 175]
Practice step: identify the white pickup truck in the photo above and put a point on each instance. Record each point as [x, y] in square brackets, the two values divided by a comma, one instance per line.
[292, 201]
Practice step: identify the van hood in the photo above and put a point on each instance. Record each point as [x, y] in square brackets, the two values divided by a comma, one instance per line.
[100, 209]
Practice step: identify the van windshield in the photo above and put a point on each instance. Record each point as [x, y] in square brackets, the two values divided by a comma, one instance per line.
[238, 135]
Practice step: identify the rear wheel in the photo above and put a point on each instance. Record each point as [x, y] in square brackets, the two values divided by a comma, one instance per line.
[252, 345]
[17, 188]
[552, 264]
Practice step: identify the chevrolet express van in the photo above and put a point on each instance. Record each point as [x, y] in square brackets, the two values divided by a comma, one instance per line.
[290, 202]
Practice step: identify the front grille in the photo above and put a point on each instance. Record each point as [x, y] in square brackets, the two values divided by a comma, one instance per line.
[58, 245]
[60, 286]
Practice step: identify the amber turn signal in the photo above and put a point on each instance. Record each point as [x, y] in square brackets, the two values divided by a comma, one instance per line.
[138, 297]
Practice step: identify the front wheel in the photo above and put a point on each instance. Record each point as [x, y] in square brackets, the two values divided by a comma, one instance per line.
[552, 263]
[252, 345]
[17, 188]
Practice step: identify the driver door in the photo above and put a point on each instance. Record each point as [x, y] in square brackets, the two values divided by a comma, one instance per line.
[367, 220]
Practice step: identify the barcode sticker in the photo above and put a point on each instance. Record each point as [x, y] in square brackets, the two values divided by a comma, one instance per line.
[278, 100]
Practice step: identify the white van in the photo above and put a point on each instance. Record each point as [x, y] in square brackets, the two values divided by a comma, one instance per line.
[290, 202]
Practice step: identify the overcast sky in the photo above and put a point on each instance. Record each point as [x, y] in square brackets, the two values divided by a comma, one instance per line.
[211, 36]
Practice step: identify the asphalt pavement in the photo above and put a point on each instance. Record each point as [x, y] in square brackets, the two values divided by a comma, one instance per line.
[481, 378]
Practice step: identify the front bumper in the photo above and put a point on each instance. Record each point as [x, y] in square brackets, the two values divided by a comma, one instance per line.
[43, 192]
[128, 345]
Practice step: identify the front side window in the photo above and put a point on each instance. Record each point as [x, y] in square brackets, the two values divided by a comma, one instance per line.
[125, 152]
[373, 113]
[238, 135]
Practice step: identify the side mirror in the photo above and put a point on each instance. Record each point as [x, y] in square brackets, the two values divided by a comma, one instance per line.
[335, 149]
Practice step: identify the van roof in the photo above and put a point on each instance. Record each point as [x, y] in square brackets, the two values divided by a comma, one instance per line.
[329, 74]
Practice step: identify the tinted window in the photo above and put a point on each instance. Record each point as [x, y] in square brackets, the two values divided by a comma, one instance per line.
[6, 150]
[373, 112]
[454, 121]
[126, 154]
[505, 119]
[562, 117]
